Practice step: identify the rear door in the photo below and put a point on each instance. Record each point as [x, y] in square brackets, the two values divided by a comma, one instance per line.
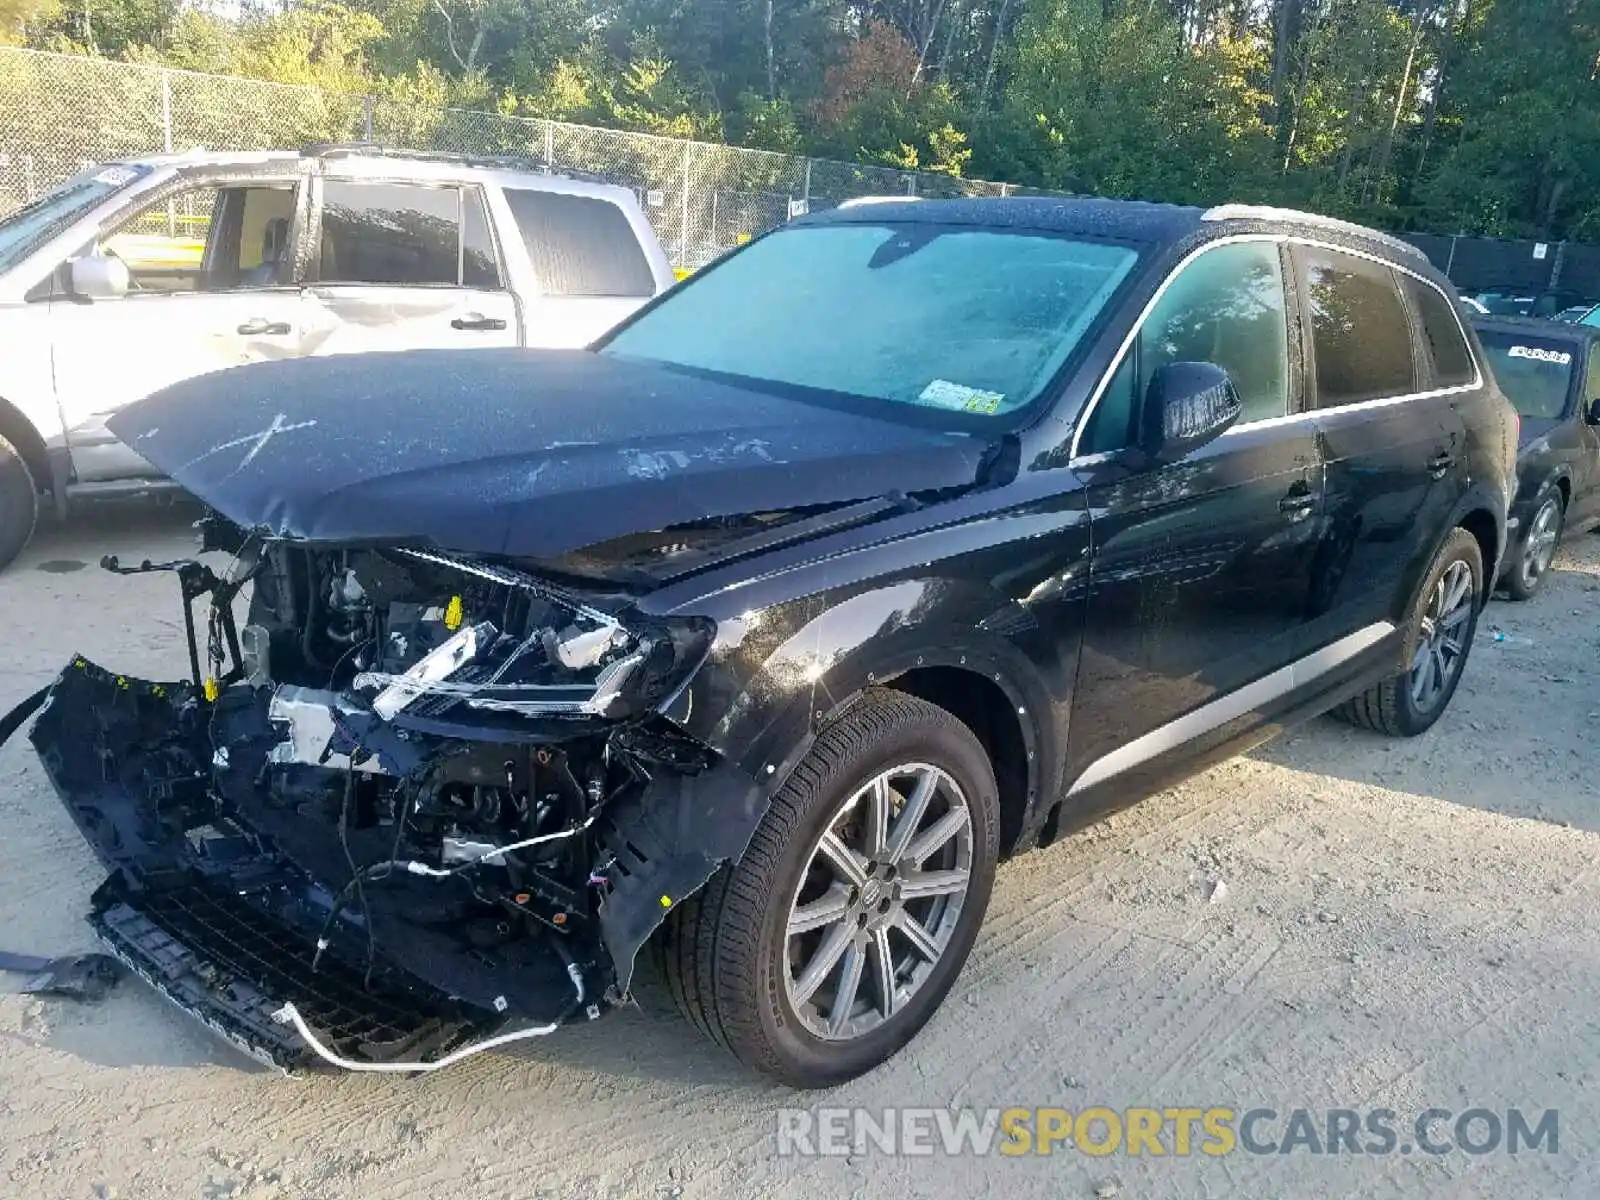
[404, 266]
[1586, 472]
[587, 268]
[1201, 571]
[1393, 441]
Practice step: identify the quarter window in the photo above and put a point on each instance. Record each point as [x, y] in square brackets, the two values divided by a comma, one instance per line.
[580, 245]
[390, 233]
[1226, 308]
[1441, 333]
[1360, 336]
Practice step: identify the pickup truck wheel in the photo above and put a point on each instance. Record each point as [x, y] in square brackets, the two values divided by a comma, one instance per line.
[1444, 619]
[1537, 548]
[19, 503]
[834, 938]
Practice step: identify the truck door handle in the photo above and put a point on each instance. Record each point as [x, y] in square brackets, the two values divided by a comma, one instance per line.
[260, 325]
[1440, 463]
[477, 321]
[1299, 502]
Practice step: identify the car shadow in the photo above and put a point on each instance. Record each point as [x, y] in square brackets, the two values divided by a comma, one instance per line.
[1530, 697]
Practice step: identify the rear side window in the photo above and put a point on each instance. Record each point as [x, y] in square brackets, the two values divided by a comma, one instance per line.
[1441, 333]
[392, 233]
[1360, 335]
[580, 245]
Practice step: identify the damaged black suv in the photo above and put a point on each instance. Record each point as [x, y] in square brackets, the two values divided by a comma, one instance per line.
[904, 539]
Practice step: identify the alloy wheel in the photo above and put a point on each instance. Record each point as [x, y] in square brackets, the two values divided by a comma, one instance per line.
[1539, 548]
[878, 901]
[1441, 644]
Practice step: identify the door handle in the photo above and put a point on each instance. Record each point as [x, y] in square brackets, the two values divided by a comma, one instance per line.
[1440, 463]
[257, 326]
[477, 321]
[1299, 502]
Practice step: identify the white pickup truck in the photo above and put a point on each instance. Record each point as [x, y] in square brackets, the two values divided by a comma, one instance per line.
[136, 274]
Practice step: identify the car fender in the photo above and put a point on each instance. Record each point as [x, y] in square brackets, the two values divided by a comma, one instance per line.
[782, 675]
[26, 379]
[1480, 497]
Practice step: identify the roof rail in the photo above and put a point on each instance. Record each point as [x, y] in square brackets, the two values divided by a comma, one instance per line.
[1266, 212]
[857, 201]
[504, 161]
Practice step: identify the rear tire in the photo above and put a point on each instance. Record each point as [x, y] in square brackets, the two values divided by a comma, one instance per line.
[1442, 623]
[19, 503]
[737, 958]
[1537, 546]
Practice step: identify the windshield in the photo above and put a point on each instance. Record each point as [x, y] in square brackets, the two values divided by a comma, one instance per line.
[34, 223]
[943, 318]
[1535, 373]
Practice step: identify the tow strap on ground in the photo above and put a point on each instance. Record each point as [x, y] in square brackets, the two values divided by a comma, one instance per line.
[13, 720]
[78, 976]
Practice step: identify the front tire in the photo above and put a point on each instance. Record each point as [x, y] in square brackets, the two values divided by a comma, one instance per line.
[833, 939]
[1444, 618]
[19, 503]
[1537, 548]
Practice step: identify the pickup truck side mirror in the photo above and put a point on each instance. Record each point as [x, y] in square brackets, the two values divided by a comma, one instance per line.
[1591, 412]
[99, 277]
[1187, 405]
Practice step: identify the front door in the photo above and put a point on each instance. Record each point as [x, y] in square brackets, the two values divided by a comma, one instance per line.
[1202, 570]
[405, 266]
[211, 286]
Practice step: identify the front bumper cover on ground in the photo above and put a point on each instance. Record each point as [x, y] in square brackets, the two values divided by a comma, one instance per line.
[214, 919]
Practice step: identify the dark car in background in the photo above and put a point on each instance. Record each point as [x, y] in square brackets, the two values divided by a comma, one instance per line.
[905, 539]
[1551, 373]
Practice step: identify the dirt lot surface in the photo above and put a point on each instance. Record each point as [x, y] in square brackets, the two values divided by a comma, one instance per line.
[1400, 925]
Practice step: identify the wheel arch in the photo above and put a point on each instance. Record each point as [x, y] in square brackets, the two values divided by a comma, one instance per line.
[20, 432]
[981, 704]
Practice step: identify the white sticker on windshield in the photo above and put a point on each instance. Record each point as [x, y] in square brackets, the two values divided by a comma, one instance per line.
[1559, 357]
[115, 176]
[941, 393]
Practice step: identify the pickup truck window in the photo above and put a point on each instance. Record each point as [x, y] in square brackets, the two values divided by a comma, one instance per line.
[393, 233]
[580, 245]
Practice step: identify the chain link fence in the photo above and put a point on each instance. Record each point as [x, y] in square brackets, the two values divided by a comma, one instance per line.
[60, 112]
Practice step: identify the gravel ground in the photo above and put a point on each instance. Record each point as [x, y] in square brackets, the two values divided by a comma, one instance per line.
[1399, 925]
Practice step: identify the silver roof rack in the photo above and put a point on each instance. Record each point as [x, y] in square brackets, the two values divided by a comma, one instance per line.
[1265, 212]
[858, 201]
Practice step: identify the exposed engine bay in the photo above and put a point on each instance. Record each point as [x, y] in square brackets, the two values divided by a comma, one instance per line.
[412, 798]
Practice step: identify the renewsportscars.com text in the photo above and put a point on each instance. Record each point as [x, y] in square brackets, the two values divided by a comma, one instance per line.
[1178, 1132]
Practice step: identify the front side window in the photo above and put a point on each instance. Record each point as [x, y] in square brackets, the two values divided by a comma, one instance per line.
[397, 233]
[939, 319]
[208, 239]
[1227, 308]
[1535, 373]
[1360, 336]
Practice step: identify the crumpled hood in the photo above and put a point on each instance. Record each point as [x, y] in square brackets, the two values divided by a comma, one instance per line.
[518, 452]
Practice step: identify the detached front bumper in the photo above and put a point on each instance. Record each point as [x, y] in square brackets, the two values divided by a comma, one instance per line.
[216, 917]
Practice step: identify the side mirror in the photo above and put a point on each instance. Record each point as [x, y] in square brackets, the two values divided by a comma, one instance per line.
[1187, 405]
[99, 277]
[1592, 413]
